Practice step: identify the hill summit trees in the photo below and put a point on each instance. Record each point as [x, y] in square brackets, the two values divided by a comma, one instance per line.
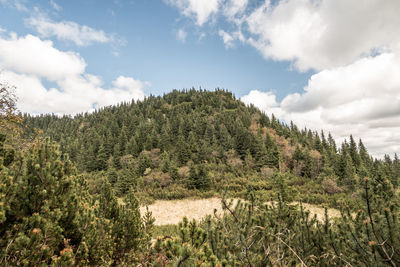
[70, 188]
[159, 146]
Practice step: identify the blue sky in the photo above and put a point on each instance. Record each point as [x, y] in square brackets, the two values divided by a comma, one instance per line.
[327, 64]
[152, 52]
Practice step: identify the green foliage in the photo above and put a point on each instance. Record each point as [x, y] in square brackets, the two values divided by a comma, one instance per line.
[373, 233]
[169, 230]
[191, 143]
[47, 216]
[198, 178]
[188, 135]
[143, 163]
[253, 233]
[188, 248]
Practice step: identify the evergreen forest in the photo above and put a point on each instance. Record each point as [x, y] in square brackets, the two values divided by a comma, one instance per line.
[71, 187]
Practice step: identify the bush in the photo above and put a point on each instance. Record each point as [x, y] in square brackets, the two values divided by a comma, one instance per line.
[331, 187]
[47, 216]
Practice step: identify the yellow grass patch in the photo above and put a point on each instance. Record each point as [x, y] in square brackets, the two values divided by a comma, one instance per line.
[320, 212]
[172, 211]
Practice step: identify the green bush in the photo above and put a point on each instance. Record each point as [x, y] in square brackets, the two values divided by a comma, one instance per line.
[48, 217]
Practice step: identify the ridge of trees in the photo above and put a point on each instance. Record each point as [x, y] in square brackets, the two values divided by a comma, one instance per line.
[53, 213]
[162, 139]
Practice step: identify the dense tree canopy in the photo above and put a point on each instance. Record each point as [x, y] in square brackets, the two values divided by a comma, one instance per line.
[171, 132]
[70, 187]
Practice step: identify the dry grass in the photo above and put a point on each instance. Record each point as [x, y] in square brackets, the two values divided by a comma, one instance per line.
[172, 211]
[320, 212]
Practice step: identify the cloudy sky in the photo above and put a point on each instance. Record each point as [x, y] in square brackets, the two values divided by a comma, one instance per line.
[325, 64]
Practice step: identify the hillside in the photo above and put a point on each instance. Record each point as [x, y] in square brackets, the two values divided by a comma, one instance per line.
[76, 200]
[201, 143]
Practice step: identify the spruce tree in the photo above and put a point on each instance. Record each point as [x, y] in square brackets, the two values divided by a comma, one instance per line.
[101, 159]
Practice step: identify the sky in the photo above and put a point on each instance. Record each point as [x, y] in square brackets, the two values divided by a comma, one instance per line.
[323, 64]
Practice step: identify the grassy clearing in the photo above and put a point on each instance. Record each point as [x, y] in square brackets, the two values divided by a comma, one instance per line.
[319, 211]
[171, 212]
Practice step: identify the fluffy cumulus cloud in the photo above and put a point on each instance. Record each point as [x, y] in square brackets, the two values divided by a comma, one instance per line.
[226, 37]
[311, 34]
[29, 54]
[323, 34]
[354, 49]
[229, 38]
[234, 8]
[28, 63]
[200, 9]
[263, 100]
[81, 35]
[362, 98]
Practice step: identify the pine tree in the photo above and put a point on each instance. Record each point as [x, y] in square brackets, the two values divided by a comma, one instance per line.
[346, 170]
[317, 143]
[101, 159]
[183, 152]
[128, 230]
[273, 155]
[365, 158]
[45, 223]
[396, 168]
[132, 147]
[198, 178]
[143, 163]
[332, 143]
[354, 154]
[117, 156]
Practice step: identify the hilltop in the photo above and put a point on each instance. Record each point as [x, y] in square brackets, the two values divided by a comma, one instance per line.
[203, 143]
[71, 188]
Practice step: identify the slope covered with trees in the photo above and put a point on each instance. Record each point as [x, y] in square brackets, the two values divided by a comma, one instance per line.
[200, 142]
[59, 205]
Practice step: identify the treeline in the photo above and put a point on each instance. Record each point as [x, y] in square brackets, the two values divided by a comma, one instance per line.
[49, 217]
[165, 141]
[58, 210]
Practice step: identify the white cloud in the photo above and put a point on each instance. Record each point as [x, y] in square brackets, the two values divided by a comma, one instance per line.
[311, 34]
[323, 34]
[263, 100]
[181, 35]
[205, 10]
[29, 54]
[128, 84]
[29, 61]
[230, 38]
[355, 49]
[362, 99]
[227, 38]
[200, 9]
[17, 4]
[56, 6]
[81, 35]
[234, 8]
[201, 36]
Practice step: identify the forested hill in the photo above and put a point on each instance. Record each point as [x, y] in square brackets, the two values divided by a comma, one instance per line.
[208, 140]
[184, 144]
